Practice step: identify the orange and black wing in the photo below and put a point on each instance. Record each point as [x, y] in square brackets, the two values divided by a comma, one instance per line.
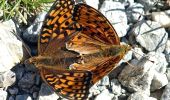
[71, 84]
[58, 27]
[97, 30]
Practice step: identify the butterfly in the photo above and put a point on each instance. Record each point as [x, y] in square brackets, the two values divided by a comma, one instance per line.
[77, 47]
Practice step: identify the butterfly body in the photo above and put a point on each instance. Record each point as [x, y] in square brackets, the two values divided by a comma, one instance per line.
[77, 47]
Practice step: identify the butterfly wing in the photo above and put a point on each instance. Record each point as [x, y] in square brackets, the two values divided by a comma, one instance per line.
[70, 84]
[58, 27]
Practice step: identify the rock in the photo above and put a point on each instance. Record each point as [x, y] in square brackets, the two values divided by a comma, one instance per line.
[9, 78]
[11, 98]
[1, 13]
[116, 87]
[104, 81]
[13, 91]
[138, 53]
[31, 33]
[3, 94]
[134, 12]
[168, 74]
[167, 51]
[138, 75]
[148, 4]
[46, 93]
[12, 51]
[140, 96]
[151, 36]
[161, 17]
[115, 13]
[104, 95]
[19, 71]
[27, 81]
[23, 97]
[166, 93]
[159, 81]
[93, 3]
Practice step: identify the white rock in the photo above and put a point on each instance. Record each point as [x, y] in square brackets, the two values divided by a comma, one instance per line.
[140, 96]
[9, 78]
[3, 95]
[105, 95]
[138, 53]
[115, 13]
[93, 3]
[162, 18]
[116, 87]
[168, 74]
[151, 36]
[12, 51]
[134, 12]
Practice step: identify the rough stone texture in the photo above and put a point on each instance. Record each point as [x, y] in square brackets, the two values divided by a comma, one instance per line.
[138, 75]
[114, 11]
[166, 93]
[167, 51]
[46, 93]
[12, 51]
[104, 95]
[116, 87]
[93, 3]
[3, 94]
[23, 97]
[134, 12]
[140, 96]
[151, 36]
[31, 33]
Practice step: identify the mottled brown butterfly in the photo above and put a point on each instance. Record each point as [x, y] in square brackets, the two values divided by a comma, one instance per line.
[77, 47]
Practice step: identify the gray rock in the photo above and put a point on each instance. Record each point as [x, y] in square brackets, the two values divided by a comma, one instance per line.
[27, 81]
[159, 81]
[11, 98]
[13, 91]
[168, 74]
[151, 36]
[166, 93]
[46, 93]
[138, 75]
[115, 13]
[134, 12]
[23, 97]
[140, 96]
[167, 51]
[3, 94]
[31, 33]
[148, 4]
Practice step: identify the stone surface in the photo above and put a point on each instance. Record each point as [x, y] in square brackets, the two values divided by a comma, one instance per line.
[166, 93]
[27, 81]
[167, 51]
[161, 17]
[104, 95]
[3, 94]
[138, 53]
[116, 87]
[93, 3]
[23, 97]
[13, 91]
[46, 93]
[11, 51]
[140, 96]
[151, 36]
[31, 33]
[135, 12]
[114, 11]
[138, 75]
[9, 78]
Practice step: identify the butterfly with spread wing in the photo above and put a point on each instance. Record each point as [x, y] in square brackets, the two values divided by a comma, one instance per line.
[77, 47]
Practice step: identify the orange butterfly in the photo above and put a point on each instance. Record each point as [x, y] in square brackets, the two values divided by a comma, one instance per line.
[77, 47]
